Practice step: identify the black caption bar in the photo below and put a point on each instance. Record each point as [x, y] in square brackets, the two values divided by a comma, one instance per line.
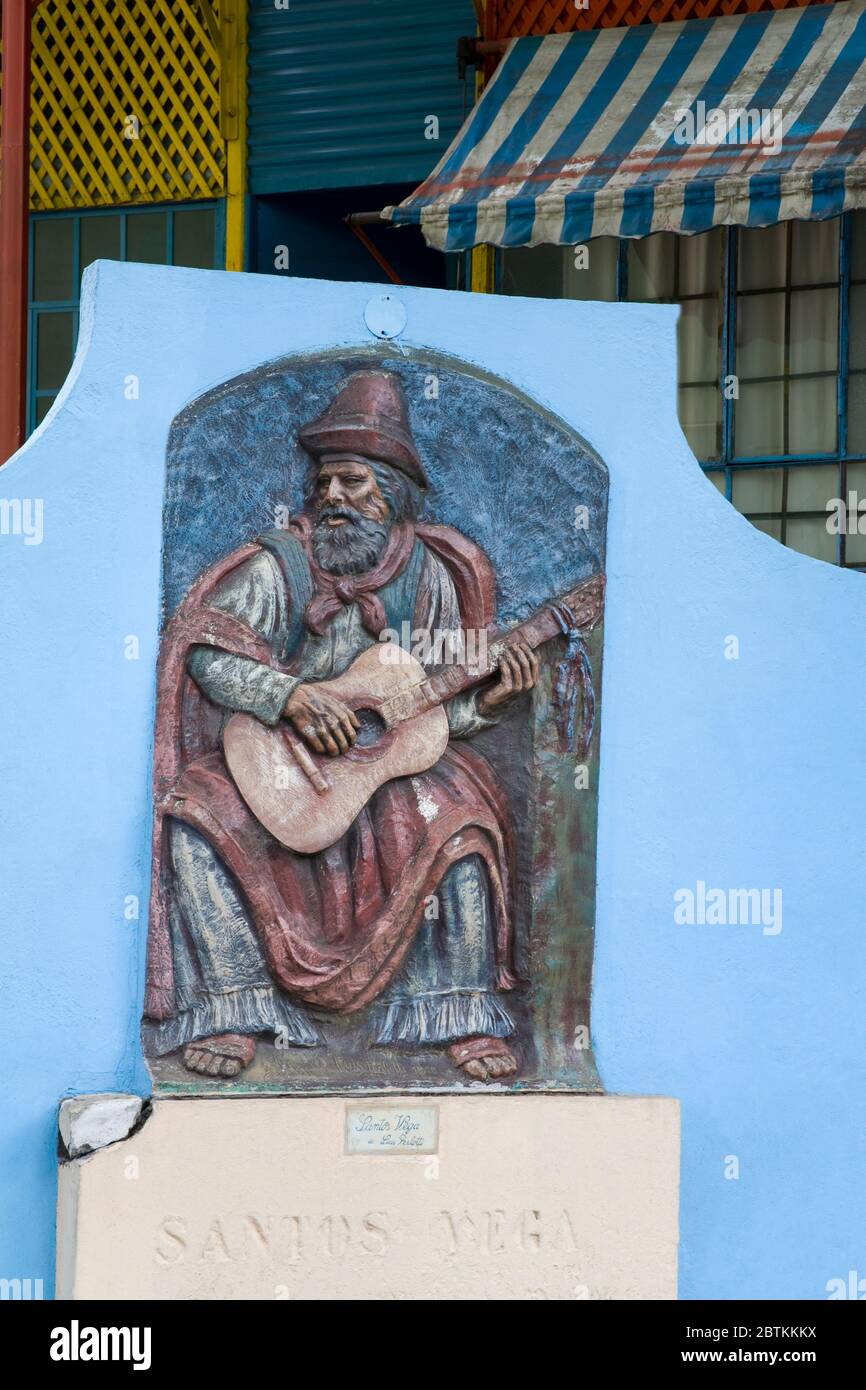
[63, 1339]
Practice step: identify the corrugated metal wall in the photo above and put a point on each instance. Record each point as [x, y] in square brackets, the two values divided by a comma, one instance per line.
[340, 90]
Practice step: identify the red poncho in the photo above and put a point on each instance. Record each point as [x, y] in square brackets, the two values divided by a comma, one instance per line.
[335, 926]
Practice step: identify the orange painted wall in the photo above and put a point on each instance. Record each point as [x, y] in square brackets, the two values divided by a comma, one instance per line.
[508, 19]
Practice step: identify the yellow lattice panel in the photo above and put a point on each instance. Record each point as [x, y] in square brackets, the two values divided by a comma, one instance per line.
[124, 104]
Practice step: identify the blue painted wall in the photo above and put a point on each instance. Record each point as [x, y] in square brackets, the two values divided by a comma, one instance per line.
[739, 773]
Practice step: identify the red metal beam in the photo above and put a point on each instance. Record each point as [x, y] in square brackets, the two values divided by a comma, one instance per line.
[14, 213]
[371, 246]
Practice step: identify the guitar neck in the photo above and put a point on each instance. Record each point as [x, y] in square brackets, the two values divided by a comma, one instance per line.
[584, 605]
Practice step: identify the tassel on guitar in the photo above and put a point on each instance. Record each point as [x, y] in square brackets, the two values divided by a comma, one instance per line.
[573, 676]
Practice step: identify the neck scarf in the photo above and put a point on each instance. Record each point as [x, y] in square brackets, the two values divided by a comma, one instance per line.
[332, 592]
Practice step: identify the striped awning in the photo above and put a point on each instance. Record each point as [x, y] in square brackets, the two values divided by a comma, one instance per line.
[746, 120]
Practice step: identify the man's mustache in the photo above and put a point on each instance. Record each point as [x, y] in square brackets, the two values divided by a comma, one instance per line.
[350, 547]
[332, 513]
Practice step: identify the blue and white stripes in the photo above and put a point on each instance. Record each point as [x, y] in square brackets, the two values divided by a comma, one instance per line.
[616, 132]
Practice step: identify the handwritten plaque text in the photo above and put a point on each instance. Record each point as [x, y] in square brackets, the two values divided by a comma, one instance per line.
[391, 1129]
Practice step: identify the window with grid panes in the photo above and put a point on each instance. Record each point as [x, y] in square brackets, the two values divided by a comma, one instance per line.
[787, 364]
[779, 315]
[64, 244]
[667, 269]
[853, 481]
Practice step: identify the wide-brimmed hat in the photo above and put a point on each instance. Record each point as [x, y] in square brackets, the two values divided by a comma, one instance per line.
[369, 416]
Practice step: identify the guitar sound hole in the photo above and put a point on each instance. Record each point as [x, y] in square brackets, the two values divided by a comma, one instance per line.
[372, 728]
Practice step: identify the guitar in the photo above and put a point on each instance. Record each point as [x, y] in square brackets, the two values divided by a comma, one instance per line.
[308, 801]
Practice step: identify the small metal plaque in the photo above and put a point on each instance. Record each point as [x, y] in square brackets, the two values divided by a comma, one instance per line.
[392, 1129]
[385, 316]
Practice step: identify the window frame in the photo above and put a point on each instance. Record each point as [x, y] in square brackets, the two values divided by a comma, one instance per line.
[37, 307]
[728, 462]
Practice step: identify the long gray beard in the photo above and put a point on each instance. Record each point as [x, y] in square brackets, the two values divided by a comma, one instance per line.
[350, 549]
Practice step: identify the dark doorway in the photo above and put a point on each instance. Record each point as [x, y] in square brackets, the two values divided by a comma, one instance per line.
[307, 230]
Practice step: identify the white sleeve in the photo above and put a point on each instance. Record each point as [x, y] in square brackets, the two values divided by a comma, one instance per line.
[441, 620]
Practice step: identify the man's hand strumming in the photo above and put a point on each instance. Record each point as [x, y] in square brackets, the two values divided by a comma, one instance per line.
[324, 722]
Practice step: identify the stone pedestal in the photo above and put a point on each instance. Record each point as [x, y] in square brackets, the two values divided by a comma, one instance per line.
[540, 1196]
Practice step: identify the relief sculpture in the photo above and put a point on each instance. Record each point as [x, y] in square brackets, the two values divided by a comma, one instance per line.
[375, 768]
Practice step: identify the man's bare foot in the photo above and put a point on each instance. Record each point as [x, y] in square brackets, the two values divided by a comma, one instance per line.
[484, 1059]
[226, 1054]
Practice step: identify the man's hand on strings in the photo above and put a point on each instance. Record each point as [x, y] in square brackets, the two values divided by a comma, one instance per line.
[518, 671]
[323, 721]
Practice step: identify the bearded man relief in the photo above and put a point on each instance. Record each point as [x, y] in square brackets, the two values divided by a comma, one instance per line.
[327, 839]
